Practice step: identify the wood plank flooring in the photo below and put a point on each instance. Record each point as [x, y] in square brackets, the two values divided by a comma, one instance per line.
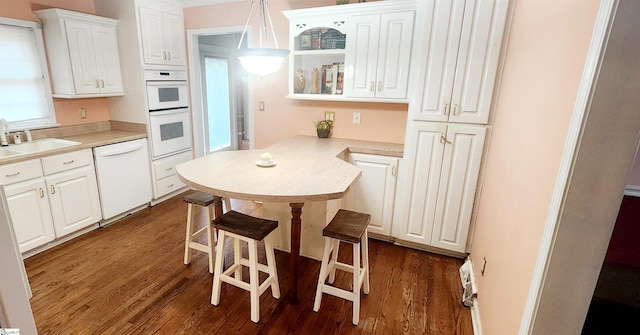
[129, 278]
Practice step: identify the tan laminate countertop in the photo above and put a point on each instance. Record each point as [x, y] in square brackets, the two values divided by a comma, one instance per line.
[87, 141]
[307, 169]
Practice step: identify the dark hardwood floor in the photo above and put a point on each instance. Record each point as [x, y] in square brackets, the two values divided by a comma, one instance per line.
[128, 278]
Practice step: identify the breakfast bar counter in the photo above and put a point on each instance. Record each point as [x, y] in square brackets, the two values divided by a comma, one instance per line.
[305, 169]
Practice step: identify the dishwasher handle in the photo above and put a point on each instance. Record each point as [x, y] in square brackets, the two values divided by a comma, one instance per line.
[120, 151]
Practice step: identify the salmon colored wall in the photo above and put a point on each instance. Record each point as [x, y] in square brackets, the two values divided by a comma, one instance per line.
[67, 113]
[545, 59]
[284, 117]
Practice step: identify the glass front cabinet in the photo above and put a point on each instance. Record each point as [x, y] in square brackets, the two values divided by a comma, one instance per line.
[327, 60]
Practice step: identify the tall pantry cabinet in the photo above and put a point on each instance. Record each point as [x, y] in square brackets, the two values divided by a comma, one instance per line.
[457, 63]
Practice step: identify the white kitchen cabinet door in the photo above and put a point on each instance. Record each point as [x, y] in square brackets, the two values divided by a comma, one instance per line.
[30, 213]
[457, 188]
[152, 31]
[83, 57]
[74, 200]
[378, 55]
[162, 37]
[107, 59]
[460, 52]
[374, 192]
[174, 39]
[421, 176]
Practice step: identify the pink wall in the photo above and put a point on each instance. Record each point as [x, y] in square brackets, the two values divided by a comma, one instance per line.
[67, 113]
[283, 117]
[545, 58]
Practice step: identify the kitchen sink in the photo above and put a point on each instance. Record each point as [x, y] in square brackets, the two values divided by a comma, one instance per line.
[6, 152]
[36, 146]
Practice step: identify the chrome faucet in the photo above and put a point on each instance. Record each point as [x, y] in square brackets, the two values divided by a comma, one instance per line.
[4, 131]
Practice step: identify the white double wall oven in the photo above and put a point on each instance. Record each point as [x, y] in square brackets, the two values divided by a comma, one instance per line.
[169, 119]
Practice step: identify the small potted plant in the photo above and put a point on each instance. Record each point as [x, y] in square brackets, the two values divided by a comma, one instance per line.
[323, 128]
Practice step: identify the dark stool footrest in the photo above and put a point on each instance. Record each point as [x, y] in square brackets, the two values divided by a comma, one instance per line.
[245, 225]
[347, 226]
[199, 198]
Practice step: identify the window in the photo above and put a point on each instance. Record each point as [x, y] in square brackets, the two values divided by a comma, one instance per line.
[25, 92]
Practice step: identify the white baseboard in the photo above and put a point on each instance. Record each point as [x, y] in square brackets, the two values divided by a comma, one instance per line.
[475, 318]
[633, 191]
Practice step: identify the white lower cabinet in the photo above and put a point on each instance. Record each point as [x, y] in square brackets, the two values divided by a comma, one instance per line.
[165, 178]
[51, 197]
[374, 192]
[440, 179]
[30, 213]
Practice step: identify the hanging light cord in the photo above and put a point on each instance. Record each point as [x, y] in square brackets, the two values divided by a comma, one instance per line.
[264, 12]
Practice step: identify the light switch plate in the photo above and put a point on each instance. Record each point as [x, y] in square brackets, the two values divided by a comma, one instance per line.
[331, 116]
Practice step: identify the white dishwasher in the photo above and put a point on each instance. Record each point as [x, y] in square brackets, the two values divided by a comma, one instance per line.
[124, 176]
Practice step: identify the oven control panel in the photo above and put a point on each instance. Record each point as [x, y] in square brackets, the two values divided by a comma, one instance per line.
[165, 75]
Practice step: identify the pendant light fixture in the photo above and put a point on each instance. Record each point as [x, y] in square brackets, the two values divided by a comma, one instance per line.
[263, 60]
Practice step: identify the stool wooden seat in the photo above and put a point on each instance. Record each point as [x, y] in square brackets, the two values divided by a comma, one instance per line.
[350, 227]
[242, 227]
[205, 201]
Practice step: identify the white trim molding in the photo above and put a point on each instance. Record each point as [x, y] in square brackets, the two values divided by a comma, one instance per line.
[198, 3]
[632, 191]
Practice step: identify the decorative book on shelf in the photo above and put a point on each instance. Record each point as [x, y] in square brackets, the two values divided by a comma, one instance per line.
[322, 39]
[332, 78]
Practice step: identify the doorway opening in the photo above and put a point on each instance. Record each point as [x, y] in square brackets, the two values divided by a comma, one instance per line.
[220, 93]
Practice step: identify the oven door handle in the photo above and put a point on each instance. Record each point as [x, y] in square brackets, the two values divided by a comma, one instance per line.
[167, 112]
[167, 83]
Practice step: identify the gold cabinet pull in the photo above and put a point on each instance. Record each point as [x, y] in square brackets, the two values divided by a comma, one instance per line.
[68, 162]
[169, 55]
[97, 84]
[455, 109]
[443, 139]
[53, 190]
[169, 168]
[372, 86]
[446, 108]
[380, 86]
[102, 81]
[41, 193]
[170, 186]
[12, 174]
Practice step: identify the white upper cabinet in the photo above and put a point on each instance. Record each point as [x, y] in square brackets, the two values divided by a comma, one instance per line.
[83, 54]
[368, 46]
[461, 42]
[378, 55]
[162, 37]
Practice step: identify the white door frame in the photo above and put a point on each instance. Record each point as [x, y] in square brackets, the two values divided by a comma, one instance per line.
[195, 85]
[550, 290]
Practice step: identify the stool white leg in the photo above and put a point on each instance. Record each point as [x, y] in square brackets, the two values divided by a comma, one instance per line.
[271, 265]
[210, 237]
[254, 281]
[365, 261]
[227, 204]
[335, 248]
[187, 240]
[323, 273]
[215, 291]
[237, 255]
[356, 283]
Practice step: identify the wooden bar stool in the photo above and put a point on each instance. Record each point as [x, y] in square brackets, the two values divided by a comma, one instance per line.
[204, 201]
[241, 227]
[349, 227]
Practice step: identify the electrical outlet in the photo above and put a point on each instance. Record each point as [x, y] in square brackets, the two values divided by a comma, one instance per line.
[83, 113]
[356, 117]
[329, 116]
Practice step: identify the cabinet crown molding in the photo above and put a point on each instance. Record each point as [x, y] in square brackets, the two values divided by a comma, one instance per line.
[353, 9]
